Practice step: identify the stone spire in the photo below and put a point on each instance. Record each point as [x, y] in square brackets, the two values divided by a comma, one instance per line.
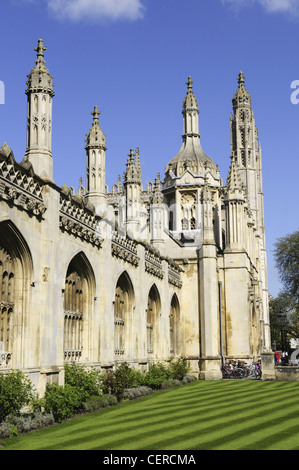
[158, 197]
[39, 116]
[95, 138]
[40, 78]
[158, 216]
[95, 162]
[244, 142]
[132, 174]
[191, 154]
[241, 97]
[132, 192]
[234, 186]
[190, 111]
[190, 103]
[138, 165]
[235, 208]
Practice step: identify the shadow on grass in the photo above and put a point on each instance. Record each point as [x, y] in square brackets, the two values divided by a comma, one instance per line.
[195, 417]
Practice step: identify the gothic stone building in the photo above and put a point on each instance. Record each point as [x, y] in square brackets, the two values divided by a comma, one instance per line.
[176, 268]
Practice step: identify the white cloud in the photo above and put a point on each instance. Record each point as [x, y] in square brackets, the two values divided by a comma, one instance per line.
[76, 10]
[271, 6]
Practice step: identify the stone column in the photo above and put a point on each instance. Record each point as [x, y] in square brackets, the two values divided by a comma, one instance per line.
[268, 369]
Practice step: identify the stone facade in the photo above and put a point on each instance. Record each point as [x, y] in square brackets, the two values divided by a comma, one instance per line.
[136, 273]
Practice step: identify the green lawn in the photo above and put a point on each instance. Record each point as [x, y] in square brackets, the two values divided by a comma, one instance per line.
[224, 415]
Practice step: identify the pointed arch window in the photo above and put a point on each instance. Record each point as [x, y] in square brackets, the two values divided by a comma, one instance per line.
[152, 315]
[120, 306]
[188, 211]
[16, 269]
[73, 315]
[174, 325]
[78, 294]
[123, 306]
[6, 301]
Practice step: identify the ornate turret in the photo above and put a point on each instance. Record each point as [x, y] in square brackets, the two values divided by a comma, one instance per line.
[39, 116]
[95, 162]
[158, 197]
[95, 138]
[132, 174]
[132, 191]
[245, 144]
[241, 97]
[40, 79]
[191, 154]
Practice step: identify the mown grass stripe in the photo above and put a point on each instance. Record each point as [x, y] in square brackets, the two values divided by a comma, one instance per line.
[200, 416]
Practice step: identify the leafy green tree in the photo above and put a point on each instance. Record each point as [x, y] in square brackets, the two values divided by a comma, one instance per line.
[286, 256]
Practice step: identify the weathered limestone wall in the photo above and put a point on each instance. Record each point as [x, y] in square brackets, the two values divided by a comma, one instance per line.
[287, 373]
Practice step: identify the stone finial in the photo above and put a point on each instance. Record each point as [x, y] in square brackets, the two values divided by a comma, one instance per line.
[138, 164]
[189, 83]
[81, 189]
[96, 114]
[96, 138]
[241, 79]
[133, 171]
[131, 155]
[158, 197]
[190, 102]
[40, 49]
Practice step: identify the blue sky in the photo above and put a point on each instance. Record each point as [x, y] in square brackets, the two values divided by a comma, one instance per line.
[132, 59]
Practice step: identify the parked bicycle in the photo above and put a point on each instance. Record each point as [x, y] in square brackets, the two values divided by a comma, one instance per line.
[241, 370]
[232, 371]
[253, 370]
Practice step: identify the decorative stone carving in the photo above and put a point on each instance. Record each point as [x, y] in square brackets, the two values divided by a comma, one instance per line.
[153, 264]
[125, 249]
[18, 187]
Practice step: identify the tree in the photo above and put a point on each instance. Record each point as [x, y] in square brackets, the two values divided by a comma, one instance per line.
[286, 256]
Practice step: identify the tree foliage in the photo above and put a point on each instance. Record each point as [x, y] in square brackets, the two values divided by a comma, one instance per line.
[16, 391]
[286, 256]
[287, 262]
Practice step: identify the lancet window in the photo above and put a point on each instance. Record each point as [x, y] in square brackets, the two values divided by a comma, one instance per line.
[153, 310]
[6, 300]
[173, 325]
[73, 315]
[120, 306]
[123, 303]
[188, 211]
